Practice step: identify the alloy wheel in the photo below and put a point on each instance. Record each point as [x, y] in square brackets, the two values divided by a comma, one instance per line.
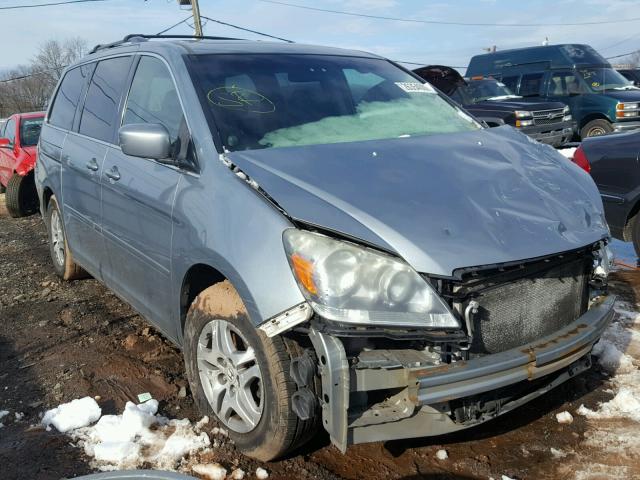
[57, 237]
[230, 376]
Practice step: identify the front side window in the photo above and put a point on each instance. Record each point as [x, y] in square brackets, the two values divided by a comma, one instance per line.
[153, 98]
[511, 82]
[100, 109]
[66, 101]
[531, 84]
[264, 101]
[30, 131]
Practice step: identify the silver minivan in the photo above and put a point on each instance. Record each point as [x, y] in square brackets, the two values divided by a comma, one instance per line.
[328, 239]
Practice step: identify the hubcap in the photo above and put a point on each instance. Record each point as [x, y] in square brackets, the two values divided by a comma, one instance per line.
[57, 237]
[596, 131]
[230, 376]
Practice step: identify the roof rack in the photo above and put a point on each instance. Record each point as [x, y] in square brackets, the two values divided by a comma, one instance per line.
[143, 37]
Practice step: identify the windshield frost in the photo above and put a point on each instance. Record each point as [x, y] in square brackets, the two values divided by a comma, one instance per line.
[262, 101]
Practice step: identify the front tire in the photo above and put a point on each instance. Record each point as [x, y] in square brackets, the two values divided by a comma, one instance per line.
[63, 262]
[21, 197]
[595, 128]
[241, 376]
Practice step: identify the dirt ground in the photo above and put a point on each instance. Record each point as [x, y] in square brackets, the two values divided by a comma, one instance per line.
[60, 341]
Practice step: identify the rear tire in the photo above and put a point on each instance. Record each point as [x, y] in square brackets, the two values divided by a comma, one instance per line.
[635, 233]
[276, 430]
[21, 197]
[61, 257]
[595, 128]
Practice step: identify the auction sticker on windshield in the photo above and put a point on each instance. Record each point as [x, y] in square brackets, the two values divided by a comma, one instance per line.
[415, 87]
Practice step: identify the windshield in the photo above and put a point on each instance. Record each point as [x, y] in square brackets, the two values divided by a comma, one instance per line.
[263, 101]
[481, 90]
[602, 79]
[30, 131]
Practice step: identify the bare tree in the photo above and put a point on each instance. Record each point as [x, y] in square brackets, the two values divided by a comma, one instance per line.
[53, 56]
[28, 87]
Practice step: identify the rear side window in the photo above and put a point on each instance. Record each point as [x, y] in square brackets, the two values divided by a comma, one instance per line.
[66, 101]
[99, 114]
[530, 85]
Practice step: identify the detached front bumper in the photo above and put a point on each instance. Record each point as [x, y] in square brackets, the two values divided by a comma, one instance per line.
[426, 398]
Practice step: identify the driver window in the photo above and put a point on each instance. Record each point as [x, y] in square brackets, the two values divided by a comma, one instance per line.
[153, 99]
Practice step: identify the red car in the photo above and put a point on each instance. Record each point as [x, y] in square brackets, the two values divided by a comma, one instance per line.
[18, 140]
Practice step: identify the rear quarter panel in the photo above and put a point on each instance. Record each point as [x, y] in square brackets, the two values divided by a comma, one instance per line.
[48, 164]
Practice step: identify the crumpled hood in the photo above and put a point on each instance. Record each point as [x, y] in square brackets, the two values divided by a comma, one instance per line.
[441, 202]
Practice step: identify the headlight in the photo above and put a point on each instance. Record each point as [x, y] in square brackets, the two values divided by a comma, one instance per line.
[523, 114]
[624, 110]
[565, 110]
[524, 123]
[354, 285]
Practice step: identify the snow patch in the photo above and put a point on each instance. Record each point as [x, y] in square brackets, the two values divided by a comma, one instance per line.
[75, 414]
[211, 471]
[567, 152]
[3, 413]
[564, 417]
[261, 474]
[442, 455]
[624, 404]
[138, 436]
[237, 474]
[558, 453]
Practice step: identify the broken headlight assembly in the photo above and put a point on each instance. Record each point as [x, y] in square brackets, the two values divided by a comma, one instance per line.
[350, 284]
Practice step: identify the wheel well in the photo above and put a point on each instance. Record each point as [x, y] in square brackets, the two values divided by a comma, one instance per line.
[593, 116]
[198, 278]
[46, 196]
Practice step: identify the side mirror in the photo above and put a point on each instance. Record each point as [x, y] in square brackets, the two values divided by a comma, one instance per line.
[146, 140]
[5, 143]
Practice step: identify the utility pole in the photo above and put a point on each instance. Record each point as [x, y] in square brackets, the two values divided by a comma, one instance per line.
[197, 21]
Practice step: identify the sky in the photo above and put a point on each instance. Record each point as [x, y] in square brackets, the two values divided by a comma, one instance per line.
[23, 30]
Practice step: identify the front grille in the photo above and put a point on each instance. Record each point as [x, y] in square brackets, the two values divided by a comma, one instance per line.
[548, 117]
[533, 302]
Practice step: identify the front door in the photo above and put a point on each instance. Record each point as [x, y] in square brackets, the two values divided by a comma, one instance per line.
[138, 196]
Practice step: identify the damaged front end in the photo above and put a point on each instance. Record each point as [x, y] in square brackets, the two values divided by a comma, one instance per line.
[503, 335]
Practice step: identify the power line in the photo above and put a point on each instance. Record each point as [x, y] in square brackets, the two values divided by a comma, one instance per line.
[247, 29]
[622, 55]
[175, 25]
[35, 5]
[442, 22]
[620, 42]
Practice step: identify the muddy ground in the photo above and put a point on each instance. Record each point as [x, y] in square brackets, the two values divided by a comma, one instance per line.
[60, 341]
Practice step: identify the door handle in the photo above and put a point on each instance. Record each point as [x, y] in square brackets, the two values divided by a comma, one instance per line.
[93, 165]
[113, 174]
